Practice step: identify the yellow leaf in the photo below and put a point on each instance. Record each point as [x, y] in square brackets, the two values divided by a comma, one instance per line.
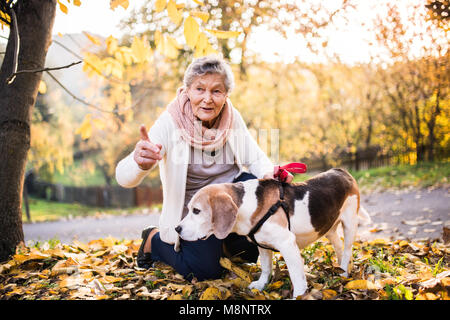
[275, 285]
[210, 293]
[173, 12]
[328, 294]
[71, 282]
[4, 16]
[111, 279]
[113, 67]
[115, 3]
[213, 293]
[257, 295]
[227, 264]
[64, 267]
[200, 3]
[210, 50]
[85, 129]
[77, 3]
[111, 45]
[238, 282]
[445, 281]
[55, 252]
[191, 31]
[377, 242]
[42, 87]
[81, 245]
[92, 64]
[98, 253]
[141, 50]
[431, 296]
[201, 45]
[160, 5]
[360, 285]
[124, 55]
[93, 39]
[171, 47]
[220, 34]
[62, 7]
[403, 243]
[20, 258]
[175, 297]
[202, 15]
[159, 41]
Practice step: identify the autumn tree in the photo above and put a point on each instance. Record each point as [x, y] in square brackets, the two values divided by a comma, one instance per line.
[415, 76]
[305, 17]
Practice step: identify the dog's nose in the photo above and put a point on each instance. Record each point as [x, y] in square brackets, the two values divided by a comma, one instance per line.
[178, 229]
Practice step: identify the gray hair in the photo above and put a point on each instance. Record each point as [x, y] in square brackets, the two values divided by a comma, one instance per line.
[209, 64]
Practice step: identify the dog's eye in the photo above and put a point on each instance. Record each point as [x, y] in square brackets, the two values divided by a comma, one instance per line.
[196, 211]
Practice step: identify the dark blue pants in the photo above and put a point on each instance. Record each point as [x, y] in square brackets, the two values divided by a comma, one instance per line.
[200, 258]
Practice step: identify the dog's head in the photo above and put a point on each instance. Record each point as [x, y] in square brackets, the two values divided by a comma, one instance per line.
[211, 211]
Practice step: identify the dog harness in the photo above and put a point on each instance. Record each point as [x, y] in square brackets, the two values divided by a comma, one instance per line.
[281, 173]
[270, 212]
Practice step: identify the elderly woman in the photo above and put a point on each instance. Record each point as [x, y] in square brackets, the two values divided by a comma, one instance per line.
[200, 139]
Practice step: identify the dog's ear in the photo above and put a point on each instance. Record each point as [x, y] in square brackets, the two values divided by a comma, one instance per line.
[224, 212]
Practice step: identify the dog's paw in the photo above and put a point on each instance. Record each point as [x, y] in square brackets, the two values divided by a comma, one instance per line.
[257, 285]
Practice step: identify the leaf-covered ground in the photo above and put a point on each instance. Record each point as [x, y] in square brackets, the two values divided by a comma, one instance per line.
[106, 269]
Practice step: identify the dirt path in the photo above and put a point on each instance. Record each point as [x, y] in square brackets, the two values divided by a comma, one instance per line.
[411, 214]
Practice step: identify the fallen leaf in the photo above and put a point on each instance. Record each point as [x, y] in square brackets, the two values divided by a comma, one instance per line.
[227, 264]
[21, 258]
[211, 293]
[111, 279]
[378, 242]
[360, 285]
[275, 285]
[328, 294]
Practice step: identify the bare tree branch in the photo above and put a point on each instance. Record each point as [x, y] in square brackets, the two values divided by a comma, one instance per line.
[99, 72]
[10, 79]
[147, 92]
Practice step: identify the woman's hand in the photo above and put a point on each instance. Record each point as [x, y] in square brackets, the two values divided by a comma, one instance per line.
[271, 175]
[146, 153]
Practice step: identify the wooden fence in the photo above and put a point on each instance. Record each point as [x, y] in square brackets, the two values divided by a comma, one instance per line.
[362, 161]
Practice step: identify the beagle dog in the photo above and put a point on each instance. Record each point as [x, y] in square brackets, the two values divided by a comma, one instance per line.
[287, 217]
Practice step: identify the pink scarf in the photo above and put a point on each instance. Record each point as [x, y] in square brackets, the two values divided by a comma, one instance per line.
[192, 130]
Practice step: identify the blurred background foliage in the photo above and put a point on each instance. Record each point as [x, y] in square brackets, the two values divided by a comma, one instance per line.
[328, 110]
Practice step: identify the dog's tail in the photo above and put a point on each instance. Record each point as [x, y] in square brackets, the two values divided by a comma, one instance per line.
[364, 216]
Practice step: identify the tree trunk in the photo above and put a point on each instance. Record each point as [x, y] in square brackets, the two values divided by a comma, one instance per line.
[35, 22]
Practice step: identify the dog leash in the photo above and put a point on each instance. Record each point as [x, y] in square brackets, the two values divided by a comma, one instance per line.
[280, 173]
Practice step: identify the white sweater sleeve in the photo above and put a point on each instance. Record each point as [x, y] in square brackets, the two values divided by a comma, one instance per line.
[128, 173]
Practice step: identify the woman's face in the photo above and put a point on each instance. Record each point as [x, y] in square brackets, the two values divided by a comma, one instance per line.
[207, 95]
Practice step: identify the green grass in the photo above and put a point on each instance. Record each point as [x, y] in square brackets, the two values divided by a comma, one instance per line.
[79, 176]
[422, 175]
[43, 210]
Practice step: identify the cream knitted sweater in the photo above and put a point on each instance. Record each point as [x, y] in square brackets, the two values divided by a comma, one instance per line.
[174, 165]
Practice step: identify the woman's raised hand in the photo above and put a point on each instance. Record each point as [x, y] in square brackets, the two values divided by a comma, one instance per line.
[146, 153]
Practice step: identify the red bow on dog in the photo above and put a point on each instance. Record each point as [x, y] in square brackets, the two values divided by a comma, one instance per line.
[281, 172]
